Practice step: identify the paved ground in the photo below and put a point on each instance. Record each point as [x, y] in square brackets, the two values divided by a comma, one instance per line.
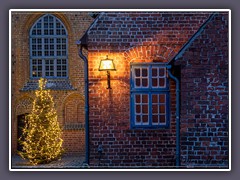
[67, 161]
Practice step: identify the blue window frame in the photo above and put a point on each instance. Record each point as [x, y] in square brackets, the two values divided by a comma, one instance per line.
[48, 48]
[149, 96]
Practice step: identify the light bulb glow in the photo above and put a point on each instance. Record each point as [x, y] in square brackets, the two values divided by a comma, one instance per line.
[107, 65]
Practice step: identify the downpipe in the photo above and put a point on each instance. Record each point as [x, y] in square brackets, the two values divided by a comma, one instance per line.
[80, 53]
[177, 115]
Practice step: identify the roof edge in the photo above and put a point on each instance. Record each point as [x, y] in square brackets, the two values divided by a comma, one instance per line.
[190, 41]
[84, 39]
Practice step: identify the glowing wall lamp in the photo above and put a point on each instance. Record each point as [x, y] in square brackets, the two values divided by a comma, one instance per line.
[107, 65]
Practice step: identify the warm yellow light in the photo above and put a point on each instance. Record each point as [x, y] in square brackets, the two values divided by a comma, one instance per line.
[41, 138]
[107, 65]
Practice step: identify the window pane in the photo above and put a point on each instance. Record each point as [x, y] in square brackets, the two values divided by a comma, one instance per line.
[145, 82]
[58, 25]
[161, 72]
[162, 109]
[154, 72]
[144, 98]
[138, 109]
[50, 19]
[45, 19]
[39, 32]
[137, 72]
[162, 119]
[145, 119]
[34, 32]
[155, 109]
[45, 32]
[154, 82]
[138, 82]
[39, 46]
[155, 119]
[162, 82]
[39, 24]
[145, 109]
[144, 72]
[137, 98]
[34, 74]
[39, 40]
[154, 98]
[138, 119]
[162, 98]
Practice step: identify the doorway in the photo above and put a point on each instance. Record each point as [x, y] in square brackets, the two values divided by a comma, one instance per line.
[20, 126]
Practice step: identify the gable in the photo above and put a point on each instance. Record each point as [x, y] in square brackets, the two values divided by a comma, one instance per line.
[123, 31]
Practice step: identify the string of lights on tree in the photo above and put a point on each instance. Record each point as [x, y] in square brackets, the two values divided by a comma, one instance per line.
[42, 134]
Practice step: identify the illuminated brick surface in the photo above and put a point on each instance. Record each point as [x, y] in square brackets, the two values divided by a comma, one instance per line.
[203, 72]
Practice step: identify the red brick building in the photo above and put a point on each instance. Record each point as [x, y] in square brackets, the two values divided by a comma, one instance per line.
[168, 102]
[146, 119]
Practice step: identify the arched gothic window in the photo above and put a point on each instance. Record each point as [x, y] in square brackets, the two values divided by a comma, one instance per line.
[48, 48]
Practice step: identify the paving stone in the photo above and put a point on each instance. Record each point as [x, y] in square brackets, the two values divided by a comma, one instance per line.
[67, 161]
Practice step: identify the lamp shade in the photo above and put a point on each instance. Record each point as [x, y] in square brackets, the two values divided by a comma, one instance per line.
[107, 65]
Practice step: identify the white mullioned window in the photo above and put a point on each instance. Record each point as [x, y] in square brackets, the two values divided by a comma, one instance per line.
[48, 48]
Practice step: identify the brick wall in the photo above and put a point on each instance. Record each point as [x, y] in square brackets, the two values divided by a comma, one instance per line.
[110, 122]
[132, 37]
[74, 141]
[76, 24]
[119, 31]
[204, 96]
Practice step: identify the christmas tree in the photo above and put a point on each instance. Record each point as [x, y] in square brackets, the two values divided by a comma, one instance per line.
[41, 139]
